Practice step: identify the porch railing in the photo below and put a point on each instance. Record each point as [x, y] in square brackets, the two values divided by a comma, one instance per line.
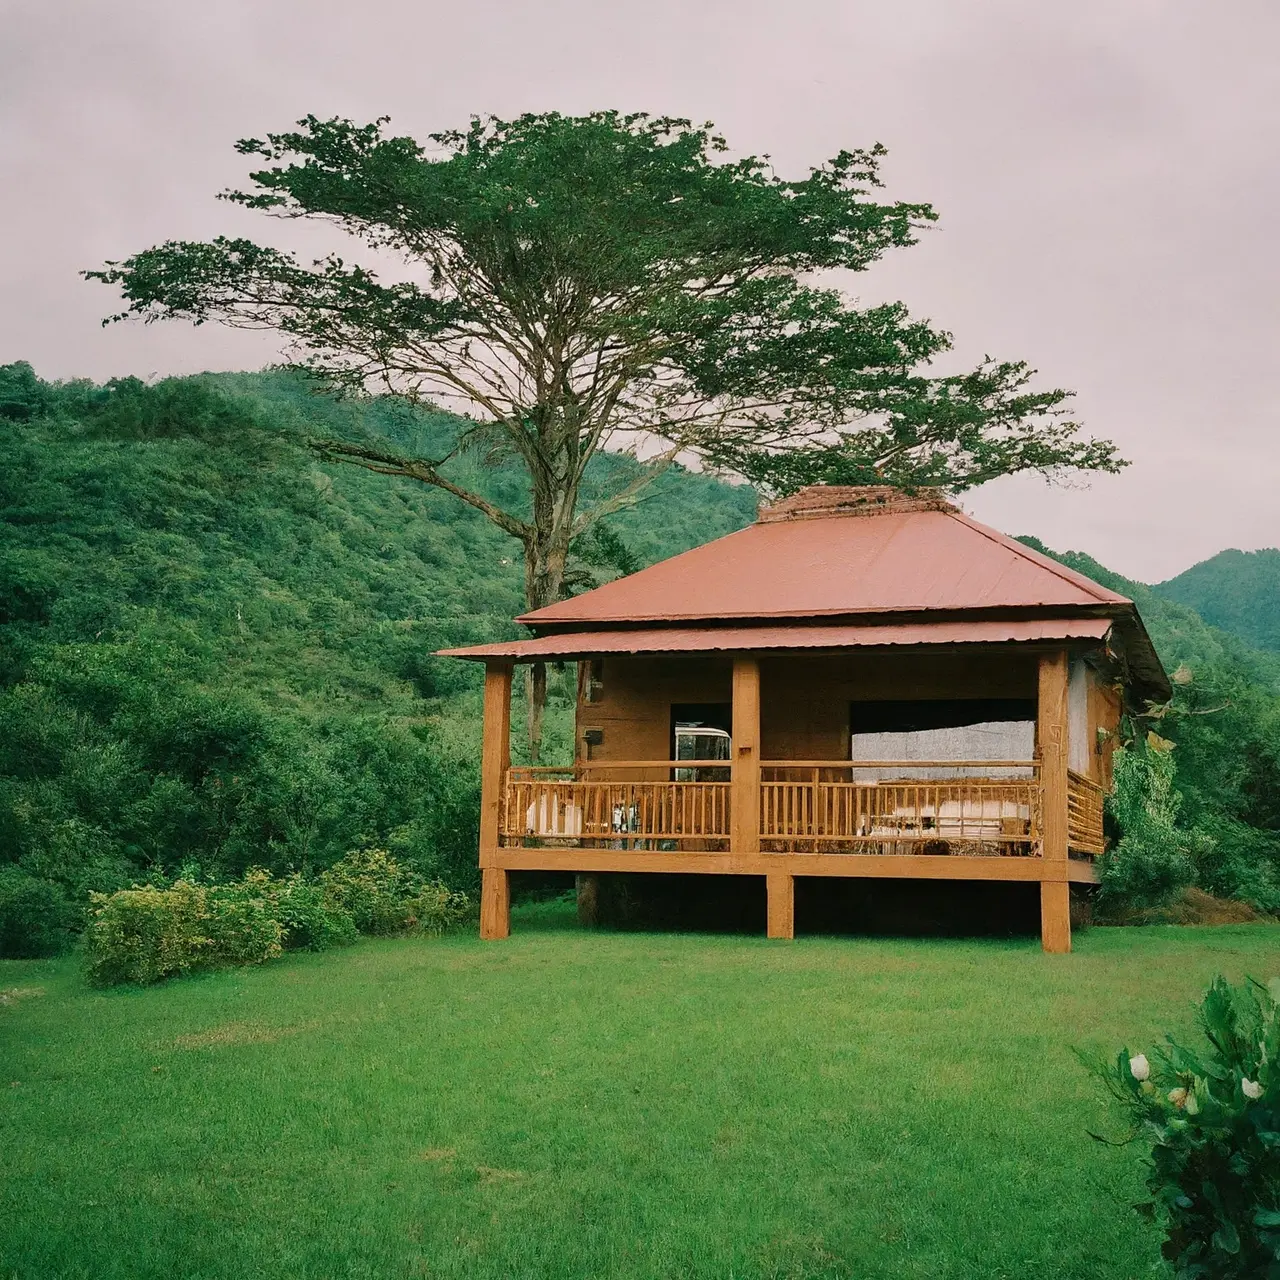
[1084, 815]
[608, 806]
[990, 807]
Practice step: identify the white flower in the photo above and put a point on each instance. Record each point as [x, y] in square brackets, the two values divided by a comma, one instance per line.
[1140, 1067]
[1251, 1088]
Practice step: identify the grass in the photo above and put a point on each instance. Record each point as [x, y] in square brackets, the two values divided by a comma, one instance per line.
[592, 1105]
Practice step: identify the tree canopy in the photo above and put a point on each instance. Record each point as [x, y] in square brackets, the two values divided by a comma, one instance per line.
[609, 281]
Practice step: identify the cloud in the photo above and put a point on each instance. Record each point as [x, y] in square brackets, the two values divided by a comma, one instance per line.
[1105, 175]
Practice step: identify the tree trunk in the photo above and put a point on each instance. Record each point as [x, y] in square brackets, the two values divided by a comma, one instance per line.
[545, 557]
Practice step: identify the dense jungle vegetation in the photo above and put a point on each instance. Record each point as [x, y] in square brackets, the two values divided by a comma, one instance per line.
[215, 650]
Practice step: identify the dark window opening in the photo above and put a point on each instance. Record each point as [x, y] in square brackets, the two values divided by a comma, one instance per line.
[590, 680]
[702, 731]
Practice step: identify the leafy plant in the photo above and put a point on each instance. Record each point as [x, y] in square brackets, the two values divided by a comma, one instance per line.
[35, 917]
[146, 934]
[374, 889]
[242, 921]
[1212, 1118]
[311, 920]
[1153, 858]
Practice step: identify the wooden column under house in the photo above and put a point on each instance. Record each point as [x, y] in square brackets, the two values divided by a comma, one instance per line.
[863, 683]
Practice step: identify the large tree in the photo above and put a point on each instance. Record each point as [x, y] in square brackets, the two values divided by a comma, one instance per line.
[572, 284]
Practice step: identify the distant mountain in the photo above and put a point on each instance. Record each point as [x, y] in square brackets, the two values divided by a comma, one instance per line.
[1180, 633]
[1238, 591]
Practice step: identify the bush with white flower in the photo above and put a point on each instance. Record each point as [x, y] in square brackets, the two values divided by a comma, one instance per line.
[1212, 1116]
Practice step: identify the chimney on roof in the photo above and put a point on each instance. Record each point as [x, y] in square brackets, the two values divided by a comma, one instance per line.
[822, 501]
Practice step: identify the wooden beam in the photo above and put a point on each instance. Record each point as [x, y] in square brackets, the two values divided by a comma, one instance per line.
[1051, 740]
[495, 755]
[744, 804]
[781, 889]
[904, 866]
[495, 903]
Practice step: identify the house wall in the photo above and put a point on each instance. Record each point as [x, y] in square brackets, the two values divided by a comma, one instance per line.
[1106, 705]
[804, 697]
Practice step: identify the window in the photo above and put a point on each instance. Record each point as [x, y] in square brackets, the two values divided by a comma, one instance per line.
[590, 680]
[702, 731]
[968, 730]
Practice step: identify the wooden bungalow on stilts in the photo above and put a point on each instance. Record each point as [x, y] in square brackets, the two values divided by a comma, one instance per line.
[863, 683]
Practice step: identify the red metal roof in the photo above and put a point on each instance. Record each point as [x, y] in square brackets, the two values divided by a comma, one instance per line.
[819, 565]
[746, 639]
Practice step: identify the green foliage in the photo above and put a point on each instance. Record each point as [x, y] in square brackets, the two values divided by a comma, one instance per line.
[242, 921]
[1238, 591]
[1152, 860]
[35, 917]
[146, 934]
[309, 918]
[435, 909]
[215, 651]
[373, 889]
[151, 932]
[22, 395]
[382, 896]
[1212, 1117]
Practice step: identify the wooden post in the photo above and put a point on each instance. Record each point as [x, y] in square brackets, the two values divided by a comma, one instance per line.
[495, 904]
[1051, 733]
[781, 889]
[495, 759]
[744, 810]
[587, 884]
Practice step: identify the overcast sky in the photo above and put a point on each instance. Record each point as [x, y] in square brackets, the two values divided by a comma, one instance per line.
[1106, 174]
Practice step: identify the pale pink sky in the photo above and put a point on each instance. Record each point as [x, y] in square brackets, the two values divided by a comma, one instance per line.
[1106, 170]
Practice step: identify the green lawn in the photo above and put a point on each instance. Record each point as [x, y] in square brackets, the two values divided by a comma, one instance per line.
[592, 1105]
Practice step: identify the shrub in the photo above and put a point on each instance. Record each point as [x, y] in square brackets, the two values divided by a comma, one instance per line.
[373, 889]
[1213, 1120]
[437, 908]
[1153, 858]
[35, 916]
[146, 933]
[311, 920]
[241, 921]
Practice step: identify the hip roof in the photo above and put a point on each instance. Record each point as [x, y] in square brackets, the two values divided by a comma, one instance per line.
[820, 565]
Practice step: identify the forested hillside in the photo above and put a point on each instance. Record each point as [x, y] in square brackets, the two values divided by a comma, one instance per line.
[1236, 590]
[215, 651]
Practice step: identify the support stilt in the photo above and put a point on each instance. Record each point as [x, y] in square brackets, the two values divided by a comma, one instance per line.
[781, 889]
[495, 759]
[588, 886]
[1055, 916]
[495, 904]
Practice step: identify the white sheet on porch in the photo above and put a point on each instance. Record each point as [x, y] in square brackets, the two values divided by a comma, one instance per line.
[972, 743]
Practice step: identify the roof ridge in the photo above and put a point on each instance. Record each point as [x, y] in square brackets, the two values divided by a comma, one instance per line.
[841, 501]
[1104, 595]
